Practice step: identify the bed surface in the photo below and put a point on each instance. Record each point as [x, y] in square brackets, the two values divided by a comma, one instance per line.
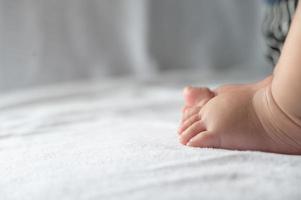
[117, 140]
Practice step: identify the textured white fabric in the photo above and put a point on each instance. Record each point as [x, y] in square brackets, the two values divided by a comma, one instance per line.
[43, 42]
[117, 140]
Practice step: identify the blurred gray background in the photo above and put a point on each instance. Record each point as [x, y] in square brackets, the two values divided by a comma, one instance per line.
[51, 41]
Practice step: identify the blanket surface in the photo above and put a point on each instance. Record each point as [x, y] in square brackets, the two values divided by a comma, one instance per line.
[117, 140]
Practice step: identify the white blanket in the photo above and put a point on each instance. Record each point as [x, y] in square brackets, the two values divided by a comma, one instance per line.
[118, 140]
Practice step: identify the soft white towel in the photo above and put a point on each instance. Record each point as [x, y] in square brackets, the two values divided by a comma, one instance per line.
[118, 141]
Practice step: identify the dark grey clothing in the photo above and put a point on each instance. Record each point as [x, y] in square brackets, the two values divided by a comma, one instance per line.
[279, 15]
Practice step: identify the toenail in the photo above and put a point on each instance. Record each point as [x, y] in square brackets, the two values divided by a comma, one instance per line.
[189, 144]
[186, 89]
[181, 140]
[179, 130]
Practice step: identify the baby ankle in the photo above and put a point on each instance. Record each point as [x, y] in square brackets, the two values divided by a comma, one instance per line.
[282, 128]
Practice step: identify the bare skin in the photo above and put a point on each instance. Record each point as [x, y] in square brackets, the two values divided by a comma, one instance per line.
[263, 116]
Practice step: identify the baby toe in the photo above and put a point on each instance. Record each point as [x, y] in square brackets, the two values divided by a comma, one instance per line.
[194, 95]
[187, 123]
[191, 131]
[205, 139]
[189, 112]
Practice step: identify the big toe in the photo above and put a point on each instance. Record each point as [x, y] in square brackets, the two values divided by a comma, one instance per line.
[205, 139]
[197, 95]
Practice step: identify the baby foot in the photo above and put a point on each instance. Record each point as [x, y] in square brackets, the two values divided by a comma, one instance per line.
[195, 98]
[242, 117]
